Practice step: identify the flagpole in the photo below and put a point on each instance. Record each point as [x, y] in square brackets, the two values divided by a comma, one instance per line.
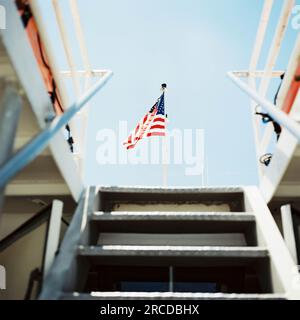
[165, 145]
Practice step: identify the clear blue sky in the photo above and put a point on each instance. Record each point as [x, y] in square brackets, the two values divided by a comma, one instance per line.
[190, 45]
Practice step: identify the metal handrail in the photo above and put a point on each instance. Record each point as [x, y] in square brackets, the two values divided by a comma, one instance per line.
[31, 150]
[279, 116]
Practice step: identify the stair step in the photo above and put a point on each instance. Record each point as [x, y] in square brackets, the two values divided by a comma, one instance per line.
[189, 239]
[166, 190]
[113, 198]
[205, 251]
[168, 296]
[176, 222]
[165, 255]
[172, 216]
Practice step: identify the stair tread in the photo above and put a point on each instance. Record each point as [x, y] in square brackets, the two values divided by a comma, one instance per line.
[149, 215]
[112, 197]
[205, 251]
[170, 189]
[170, 295]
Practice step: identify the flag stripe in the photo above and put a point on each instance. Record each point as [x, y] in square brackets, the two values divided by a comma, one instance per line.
[158, 119]
[157, 126]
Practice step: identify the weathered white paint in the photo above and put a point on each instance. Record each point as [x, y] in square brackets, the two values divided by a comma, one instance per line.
[258, 45]
[271, 61]
[67, 45]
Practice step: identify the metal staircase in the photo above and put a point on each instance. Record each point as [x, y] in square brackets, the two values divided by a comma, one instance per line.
[152, 243]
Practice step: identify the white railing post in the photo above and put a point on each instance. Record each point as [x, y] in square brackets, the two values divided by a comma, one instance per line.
[261, 32]
[271, 61]
[67, 46]
[288, 230]
[53, 234]
[81, 41]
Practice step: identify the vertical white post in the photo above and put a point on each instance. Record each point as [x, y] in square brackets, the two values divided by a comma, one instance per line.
[81, 42]
[53, 235]
[67, 46]
[283, 24]
[2, 278]
[87, 66]
[260, 36]
[288, 230]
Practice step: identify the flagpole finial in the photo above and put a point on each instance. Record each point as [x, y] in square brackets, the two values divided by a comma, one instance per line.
[164, 86]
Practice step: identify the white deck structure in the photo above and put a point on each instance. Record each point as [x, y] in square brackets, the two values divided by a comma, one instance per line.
[220, 231]
[279, 181]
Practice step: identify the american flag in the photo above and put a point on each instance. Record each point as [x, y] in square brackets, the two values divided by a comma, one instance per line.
[152, 124]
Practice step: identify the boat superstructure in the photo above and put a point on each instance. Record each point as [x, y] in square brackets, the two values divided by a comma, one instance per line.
[277, 154]
[42, 174]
